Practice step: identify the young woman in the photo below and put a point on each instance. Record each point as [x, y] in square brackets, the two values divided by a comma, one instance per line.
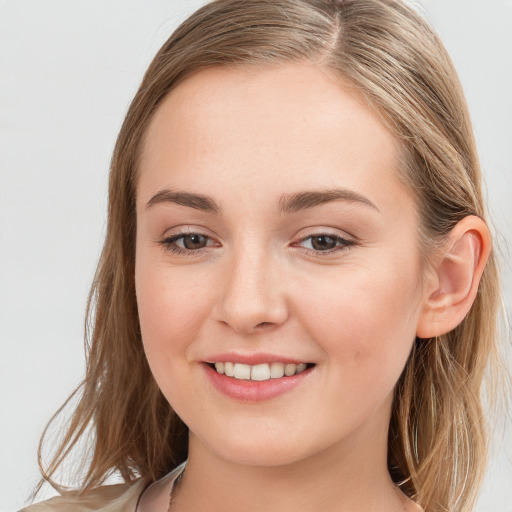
[297, 297]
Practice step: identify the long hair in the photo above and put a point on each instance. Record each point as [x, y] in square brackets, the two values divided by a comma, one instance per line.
[390, 56]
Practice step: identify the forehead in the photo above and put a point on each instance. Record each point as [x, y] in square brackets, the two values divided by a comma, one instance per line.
[294, 126]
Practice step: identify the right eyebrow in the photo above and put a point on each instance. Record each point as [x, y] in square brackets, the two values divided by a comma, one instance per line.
[196, 201]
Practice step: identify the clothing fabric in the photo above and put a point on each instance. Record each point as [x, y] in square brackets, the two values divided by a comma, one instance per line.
[106, 498]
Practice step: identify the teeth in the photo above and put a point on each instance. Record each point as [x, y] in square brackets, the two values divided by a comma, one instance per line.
[229, 369]
[289, 369]
[301, 367]
[259, 372]
[242, 371]
[276, 370]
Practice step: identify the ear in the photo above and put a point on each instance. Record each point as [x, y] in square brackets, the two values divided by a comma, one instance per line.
[452, 287]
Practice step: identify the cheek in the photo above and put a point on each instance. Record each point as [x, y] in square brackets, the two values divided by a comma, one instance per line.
[366, 317]
[172, 306]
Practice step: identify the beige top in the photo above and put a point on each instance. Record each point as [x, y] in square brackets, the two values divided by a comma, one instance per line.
[107, 498]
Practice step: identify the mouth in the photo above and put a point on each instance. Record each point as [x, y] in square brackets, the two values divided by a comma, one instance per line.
[259, 372]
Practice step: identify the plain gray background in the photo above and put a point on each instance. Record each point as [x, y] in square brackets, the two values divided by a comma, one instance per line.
[68, 69]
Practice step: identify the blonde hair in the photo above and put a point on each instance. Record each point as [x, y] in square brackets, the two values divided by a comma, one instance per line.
[392, 58]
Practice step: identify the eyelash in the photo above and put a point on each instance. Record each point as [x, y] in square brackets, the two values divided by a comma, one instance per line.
[169, 244]
[341, 244]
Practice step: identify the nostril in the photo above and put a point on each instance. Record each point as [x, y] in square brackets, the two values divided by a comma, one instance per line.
[263, 324]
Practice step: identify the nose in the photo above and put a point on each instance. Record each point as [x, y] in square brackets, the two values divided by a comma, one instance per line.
[252, 297]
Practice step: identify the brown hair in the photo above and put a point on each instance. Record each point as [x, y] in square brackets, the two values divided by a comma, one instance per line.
[390, 56]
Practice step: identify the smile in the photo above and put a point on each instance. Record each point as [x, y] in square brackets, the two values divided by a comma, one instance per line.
[255, 377]
[259, 372]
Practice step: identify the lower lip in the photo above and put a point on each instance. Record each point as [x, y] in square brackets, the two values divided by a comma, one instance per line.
[253, 390]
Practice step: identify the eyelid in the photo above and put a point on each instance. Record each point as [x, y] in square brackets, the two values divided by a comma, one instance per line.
[181, 236]
[168, 241]
[326, 231]
[342, 242]
[185, 230]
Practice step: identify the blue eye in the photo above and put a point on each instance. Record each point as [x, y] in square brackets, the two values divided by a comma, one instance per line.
[325, 243]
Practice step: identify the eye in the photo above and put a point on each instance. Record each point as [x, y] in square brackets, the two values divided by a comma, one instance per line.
[183, 243]
[325, 242]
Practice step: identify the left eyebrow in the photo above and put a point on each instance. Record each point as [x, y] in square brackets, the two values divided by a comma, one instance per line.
[289, 203]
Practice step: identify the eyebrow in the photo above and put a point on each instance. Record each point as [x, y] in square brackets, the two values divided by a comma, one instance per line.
[196, 201]
[288, 203]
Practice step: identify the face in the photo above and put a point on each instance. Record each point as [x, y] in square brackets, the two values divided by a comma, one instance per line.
[273, 235]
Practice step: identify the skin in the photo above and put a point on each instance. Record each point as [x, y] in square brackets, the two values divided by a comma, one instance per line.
[244, 138]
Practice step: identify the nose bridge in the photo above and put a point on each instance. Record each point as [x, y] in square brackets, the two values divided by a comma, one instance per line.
[252, 296]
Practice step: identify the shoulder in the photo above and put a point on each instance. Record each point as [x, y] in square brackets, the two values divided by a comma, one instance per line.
[107, 498]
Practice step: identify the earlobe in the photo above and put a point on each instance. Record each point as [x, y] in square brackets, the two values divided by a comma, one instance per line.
[456, 275]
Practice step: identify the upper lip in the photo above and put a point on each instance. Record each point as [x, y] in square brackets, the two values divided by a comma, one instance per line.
[252, 359]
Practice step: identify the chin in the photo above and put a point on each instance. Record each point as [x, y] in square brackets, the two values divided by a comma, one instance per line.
[263, 457]
[250, 449]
